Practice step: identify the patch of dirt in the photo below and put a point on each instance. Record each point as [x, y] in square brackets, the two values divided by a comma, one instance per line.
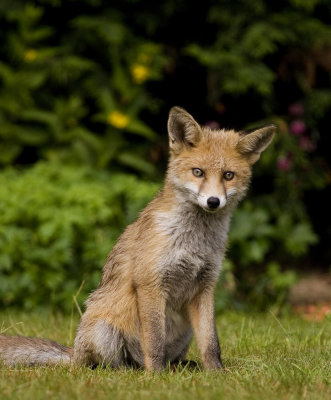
[311, 297]
[312, 289]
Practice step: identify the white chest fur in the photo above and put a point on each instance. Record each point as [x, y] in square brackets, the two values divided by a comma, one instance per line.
[197, 242]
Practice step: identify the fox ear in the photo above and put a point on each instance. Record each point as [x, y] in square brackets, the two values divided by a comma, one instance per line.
[251, 144]
[183, 130]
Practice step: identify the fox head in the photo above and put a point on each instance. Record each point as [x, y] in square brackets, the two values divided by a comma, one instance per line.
[212, 168]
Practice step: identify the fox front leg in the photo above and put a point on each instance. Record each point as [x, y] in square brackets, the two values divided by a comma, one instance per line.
[152, 324]
[201, 312]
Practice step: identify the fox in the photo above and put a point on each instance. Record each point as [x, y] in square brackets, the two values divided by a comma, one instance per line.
[158, 282]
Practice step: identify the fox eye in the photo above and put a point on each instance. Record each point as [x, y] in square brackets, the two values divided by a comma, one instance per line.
[228, 175]
[197, 172]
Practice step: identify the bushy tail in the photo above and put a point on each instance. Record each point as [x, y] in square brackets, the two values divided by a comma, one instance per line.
[22, 350]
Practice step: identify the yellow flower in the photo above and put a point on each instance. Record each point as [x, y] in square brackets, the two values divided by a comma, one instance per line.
[30, 55]
[117, 119]
[139, 73]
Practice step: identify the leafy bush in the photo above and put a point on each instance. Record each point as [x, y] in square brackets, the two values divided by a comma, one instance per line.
[57, 224]
[271, 230]
[72, 89]
[91, 82]
[252, 37]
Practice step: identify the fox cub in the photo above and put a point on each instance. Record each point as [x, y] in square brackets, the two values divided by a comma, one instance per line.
[157, 286]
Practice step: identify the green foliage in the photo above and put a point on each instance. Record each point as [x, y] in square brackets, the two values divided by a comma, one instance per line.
[57, 225]
[81, 83]
[75, 97]
[273, 230]
[248, 34]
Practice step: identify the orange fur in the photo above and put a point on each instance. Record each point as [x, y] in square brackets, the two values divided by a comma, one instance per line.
[158, 282]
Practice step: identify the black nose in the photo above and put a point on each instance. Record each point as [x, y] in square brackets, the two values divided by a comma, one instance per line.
[213, 202]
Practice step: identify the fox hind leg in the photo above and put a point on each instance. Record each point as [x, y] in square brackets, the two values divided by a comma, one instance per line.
[99, 343]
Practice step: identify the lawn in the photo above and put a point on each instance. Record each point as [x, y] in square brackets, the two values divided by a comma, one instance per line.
[265, 358]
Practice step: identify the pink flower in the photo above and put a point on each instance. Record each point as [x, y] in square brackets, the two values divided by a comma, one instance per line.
[296, 109]
[297, 127]
[212, 125]
[284, 163]
[306, 144]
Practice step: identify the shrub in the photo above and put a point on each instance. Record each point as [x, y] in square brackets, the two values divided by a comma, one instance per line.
[73, 86]
[271, 231]
[91, 85]
[57, 224]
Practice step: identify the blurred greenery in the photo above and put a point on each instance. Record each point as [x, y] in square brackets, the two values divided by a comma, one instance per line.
[85, 90]
[57, 226]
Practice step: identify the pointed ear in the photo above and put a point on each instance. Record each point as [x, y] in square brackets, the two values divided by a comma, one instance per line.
[251, 144]
[183, 130]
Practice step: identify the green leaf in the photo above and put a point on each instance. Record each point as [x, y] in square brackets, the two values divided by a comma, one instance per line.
[136, 162]
[139, 128]
[300, 237]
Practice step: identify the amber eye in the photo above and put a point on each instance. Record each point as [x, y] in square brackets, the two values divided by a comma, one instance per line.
[228, 175]
[197, 172]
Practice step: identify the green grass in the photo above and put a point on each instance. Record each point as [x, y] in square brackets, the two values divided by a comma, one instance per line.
[265, 358]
